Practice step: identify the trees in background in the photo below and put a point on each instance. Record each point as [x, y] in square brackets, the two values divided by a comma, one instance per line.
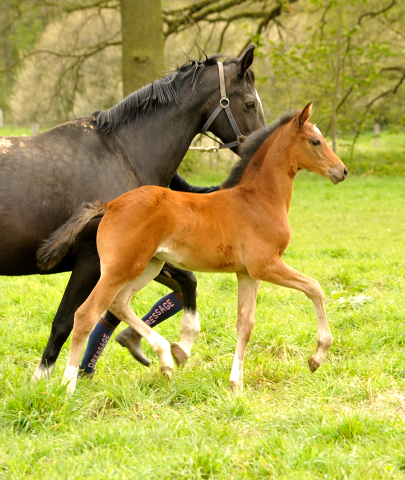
[346, 55]
[140, 36]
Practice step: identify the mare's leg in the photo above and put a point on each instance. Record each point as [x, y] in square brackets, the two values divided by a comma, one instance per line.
[179, 281]
[247, 294]
[85, 275]
[283, 275]
[115, 293]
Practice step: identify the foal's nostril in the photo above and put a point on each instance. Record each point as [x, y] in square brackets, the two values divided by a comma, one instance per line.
[345, 172]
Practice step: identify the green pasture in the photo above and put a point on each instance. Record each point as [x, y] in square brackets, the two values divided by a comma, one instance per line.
[386, 156]
[345, 421]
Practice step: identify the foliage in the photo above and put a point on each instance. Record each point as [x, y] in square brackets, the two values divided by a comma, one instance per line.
[367, 159]
[346, 421]
[346, 56]
[21, 24]
[68, 78]
[71, 57]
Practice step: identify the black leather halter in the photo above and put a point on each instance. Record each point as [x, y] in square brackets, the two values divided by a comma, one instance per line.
[224, 105]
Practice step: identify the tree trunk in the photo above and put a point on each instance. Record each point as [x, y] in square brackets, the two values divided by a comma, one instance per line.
[338, 70]
[142, 43]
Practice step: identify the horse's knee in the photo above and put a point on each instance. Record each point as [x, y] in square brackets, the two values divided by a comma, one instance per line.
[316, 293]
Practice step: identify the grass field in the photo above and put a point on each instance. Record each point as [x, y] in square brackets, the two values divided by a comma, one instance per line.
[347, 420]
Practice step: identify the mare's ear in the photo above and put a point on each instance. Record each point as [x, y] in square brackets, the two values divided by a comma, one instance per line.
[246, 59]
[305, 114]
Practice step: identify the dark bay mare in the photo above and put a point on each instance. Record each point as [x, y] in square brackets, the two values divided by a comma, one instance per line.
[140, 141]
[242, 228]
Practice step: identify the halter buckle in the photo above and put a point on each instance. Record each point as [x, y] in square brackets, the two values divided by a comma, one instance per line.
[224, 102]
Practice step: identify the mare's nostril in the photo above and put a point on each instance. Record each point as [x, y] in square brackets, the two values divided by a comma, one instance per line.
[345, 172]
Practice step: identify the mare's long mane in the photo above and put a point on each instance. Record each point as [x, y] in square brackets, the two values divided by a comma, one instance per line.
[164, 91]
[250, 147]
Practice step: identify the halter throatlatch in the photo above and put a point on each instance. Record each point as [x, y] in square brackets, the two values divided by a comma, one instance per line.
[224, 105]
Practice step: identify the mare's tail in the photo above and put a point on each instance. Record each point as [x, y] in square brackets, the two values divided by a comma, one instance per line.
[57, 245]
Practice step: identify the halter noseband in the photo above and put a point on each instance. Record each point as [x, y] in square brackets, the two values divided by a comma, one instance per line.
[224, 105]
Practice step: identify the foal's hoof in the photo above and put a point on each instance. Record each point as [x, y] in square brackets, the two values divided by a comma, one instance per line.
[166, 371]
[131, 340]
[236, 387]
[313, 364]
[179, 354]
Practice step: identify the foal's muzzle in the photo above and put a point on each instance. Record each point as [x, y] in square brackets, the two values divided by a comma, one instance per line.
[338, 173]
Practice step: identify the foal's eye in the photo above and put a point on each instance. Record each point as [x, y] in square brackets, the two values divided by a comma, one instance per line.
[250, 105]
[315, 142]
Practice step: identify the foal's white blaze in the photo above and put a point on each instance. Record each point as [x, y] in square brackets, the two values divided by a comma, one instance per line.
[317, 130]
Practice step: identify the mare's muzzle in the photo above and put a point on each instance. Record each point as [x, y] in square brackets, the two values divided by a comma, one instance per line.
[338, 172]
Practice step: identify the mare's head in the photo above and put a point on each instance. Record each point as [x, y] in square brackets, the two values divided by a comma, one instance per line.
[309, 150]
[244, 101]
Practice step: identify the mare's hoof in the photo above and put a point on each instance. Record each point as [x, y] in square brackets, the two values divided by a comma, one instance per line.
[131, 340]
[166, 371]
[179, 354]
[313, 364]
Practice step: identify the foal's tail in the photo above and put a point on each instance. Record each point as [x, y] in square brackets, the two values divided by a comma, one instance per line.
[57, 245]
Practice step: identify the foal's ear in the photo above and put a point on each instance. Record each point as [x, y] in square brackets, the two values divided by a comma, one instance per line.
[305, 114]
[246, 59]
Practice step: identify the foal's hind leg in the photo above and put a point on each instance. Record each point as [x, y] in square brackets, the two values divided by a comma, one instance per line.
[114, 295]
[283, 275]
[85, 319]
[120, 307]
[247, 294]
[190, 324]
[179, 281]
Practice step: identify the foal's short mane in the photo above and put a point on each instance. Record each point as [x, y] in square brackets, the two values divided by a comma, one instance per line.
[164, 91]
[254, 141]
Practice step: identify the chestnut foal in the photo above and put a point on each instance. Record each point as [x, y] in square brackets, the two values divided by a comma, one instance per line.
[243, 229]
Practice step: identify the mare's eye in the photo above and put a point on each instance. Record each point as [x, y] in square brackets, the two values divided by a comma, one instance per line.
[315, 142]
[250, 105]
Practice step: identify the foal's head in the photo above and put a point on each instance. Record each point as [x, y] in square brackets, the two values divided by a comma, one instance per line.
[310, 150]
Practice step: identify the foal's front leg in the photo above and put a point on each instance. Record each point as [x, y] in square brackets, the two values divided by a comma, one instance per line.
[247, 294]
[281, 274]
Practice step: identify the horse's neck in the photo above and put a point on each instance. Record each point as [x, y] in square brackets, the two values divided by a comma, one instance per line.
[271, 179]
[160, 139]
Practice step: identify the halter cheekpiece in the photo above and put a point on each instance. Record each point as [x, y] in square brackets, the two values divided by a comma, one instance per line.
[224, 105]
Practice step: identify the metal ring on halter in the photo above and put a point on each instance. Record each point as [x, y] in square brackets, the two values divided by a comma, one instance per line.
[242, 139]
[224, 99]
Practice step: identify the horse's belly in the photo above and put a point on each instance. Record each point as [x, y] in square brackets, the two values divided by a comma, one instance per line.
[204, 260]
